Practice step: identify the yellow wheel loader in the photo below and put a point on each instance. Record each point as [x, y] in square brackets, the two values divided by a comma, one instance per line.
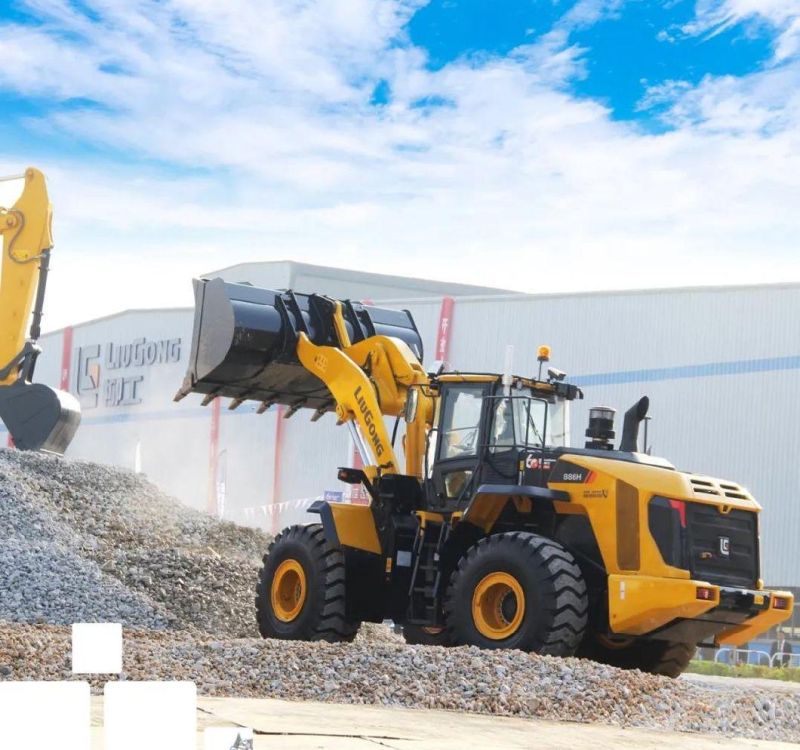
[494, 532]
[36, 416]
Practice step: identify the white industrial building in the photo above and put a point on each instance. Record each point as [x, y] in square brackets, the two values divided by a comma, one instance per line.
[721, 366]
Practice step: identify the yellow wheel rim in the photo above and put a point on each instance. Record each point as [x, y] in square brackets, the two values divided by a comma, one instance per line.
[616, 644]
[498, 606]
[288, 592]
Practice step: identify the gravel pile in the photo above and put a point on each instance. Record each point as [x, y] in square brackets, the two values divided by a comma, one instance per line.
[508, 683]
[46, 582]
[198, 588]
[373, 634]
[84, 542]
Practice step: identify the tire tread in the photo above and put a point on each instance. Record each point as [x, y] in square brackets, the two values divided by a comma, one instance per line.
[331, 624]
[564, 596]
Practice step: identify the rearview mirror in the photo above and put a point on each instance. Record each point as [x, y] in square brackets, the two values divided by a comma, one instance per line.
[412, 401]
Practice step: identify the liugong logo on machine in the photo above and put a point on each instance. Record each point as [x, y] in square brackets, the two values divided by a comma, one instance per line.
[369, 421]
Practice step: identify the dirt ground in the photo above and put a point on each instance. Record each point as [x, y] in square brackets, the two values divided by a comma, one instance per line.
[324, 726]
[725, 683]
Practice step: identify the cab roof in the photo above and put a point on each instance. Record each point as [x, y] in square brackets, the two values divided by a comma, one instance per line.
[546, 387]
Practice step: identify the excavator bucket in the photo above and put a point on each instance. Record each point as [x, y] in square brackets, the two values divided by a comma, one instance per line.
[244, 342]
[39, 417]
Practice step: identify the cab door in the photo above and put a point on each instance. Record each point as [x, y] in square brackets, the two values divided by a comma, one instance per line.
[459, 441]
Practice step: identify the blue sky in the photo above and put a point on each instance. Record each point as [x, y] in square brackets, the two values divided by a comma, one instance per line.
[639, 44]
[601, 140]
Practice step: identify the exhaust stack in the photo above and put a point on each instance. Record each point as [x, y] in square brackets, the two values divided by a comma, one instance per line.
[630, 427]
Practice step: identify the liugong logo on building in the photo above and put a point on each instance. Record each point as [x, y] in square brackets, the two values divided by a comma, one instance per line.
[119, 387]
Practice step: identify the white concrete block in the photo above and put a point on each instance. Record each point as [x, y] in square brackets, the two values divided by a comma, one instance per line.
[96, 648]
[45, 715]
[152, 715]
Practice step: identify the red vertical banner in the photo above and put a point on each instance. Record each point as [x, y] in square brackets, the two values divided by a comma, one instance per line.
[276, 473]
[66, 359]
[213, 458]
[445, 326]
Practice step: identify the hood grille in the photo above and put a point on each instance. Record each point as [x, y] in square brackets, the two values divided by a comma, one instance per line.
[705, 487]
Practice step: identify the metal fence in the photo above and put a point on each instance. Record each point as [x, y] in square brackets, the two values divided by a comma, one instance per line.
[743, 656]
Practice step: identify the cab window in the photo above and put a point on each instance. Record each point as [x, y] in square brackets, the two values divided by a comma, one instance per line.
[461, 420]
[518, 422]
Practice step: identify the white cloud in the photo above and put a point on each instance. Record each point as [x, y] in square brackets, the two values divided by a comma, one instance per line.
[255, 139]
[588, 12]
[713, 16]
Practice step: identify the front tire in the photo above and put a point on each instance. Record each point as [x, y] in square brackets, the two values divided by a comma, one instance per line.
[517, 590]
[300, 593]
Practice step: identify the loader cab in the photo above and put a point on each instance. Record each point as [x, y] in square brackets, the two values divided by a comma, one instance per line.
[485, 433]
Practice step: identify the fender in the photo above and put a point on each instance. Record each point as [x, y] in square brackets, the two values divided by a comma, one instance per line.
[488, 502]
[348, 525]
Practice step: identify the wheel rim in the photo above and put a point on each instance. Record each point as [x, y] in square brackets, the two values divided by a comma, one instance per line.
[615, 644]
[288, 591]
[498, 606]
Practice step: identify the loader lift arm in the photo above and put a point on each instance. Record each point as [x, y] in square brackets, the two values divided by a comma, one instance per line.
[366, 398]
[311, 351]
[37, 417]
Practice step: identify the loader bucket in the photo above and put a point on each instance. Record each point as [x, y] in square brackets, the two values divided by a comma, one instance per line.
[244, 342]
[39, 417]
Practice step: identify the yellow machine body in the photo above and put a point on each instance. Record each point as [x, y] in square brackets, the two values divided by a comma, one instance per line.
[643, 534]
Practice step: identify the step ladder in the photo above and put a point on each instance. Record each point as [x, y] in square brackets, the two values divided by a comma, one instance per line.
[425, 589]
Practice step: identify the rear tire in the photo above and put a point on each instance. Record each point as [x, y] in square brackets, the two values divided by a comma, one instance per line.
[300, 593]
[517, 590]
[416, 635]
[656, 657]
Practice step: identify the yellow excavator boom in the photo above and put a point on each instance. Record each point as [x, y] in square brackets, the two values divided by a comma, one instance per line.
[36, 416]
[27, 238]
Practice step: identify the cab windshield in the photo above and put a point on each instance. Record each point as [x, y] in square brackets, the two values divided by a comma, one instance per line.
[525, 422]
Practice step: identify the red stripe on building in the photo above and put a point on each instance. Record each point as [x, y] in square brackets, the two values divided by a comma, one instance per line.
[213, 457]
[445, 326]
[66, 359]
[276, 473]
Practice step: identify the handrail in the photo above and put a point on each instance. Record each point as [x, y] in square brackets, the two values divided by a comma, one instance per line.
[746, 651]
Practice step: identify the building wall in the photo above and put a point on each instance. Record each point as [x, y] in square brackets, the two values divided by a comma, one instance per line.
[721, 366]
[128, 415]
